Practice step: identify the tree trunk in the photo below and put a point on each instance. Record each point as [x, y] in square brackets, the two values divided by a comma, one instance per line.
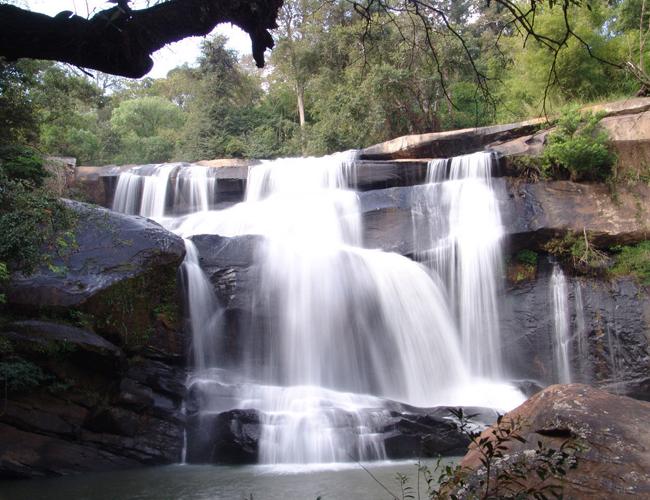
[300, 94]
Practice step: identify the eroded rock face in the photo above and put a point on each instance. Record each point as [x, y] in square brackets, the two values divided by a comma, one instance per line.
[615, 459]
[83, 416]
[532, 213]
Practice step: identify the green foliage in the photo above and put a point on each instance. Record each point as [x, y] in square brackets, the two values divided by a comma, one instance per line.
[527, 167]
[578, 147]
[4, 277]
[146, 116]
[633, 261]
[18, 118]
[34, 225]
[527, 257]
[576, 251]
[22, 163]
[340, 77]
[21, 376]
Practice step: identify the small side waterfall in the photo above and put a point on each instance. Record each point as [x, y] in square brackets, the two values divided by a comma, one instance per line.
[561, 325]
[581, 335]
[204, 310]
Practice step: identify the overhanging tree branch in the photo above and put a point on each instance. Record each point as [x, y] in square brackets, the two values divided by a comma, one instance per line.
[121, 42]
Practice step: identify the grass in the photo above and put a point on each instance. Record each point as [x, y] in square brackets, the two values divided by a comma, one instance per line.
[633, 261]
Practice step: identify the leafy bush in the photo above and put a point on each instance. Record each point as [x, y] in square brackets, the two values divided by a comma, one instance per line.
[577, 251]
[579, 148]
[4, 277]
[21, 376]
[633, 261]
[22, 163]
[534, 474]
[33, 224]
[527, 257]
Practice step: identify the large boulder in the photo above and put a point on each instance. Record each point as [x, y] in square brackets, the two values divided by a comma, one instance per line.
[118, 276]
[92, 356]
[614, 456]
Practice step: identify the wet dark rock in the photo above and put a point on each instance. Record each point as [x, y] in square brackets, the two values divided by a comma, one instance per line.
[230, 265]
[162, 378]
[230, 437]
[221, 252]
[614, 459]
[27, 454]
[90, 400]
[527, 387]
[370, 175]
[81, 347]
[611, 350]
[113, 421]
[432, 432]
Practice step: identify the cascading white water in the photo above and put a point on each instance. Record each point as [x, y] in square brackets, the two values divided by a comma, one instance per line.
[203, 308]
[561, 327]
[347, 327]
[147, 190]
[581, 334]
[464, 247]
[195, 189]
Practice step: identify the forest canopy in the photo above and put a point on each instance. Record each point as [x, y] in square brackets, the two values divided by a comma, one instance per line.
[342, 75]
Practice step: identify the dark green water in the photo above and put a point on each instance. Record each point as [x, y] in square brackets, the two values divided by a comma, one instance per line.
[217, 482]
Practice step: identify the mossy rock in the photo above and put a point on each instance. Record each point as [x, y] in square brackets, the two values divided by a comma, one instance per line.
[140, 312]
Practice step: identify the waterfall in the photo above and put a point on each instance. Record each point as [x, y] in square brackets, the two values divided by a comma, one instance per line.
[149, 191]
[195, 189]
[204, 310]
[561, 333]
[349, 332]
[465, 250]
[581, 335]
